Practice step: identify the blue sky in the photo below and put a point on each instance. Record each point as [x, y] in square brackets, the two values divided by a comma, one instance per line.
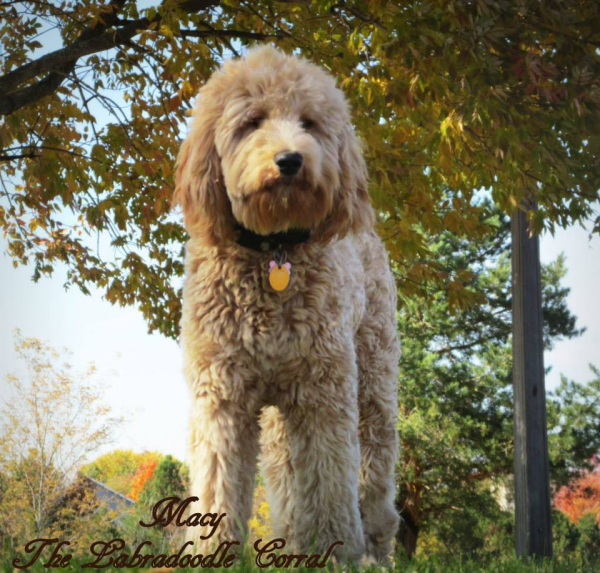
[141, 373]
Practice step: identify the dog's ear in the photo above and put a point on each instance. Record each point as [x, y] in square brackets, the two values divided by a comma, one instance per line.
[199, 186]
[351, 211]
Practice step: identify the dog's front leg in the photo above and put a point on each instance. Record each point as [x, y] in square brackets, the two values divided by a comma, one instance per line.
[323, 434]
[223, 458]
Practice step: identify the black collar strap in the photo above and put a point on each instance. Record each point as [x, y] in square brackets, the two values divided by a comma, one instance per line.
[268, 243]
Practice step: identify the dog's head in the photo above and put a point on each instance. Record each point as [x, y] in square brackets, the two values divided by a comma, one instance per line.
[271, 147]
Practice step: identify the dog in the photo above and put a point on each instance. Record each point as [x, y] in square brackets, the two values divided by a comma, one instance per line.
[288, 324]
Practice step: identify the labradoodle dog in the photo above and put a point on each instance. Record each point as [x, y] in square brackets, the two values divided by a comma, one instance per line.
[288, 326]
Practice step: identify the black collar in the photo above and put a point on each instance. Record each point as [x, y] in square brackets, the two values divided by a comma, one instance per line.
[268, 243]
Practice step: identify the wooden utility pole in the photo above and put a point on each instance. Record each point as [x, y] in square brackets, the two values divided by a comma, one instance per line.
[532, 472]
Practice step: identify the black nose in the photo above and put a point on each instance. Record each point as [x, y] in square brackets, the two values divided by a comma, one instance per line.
[288, 163]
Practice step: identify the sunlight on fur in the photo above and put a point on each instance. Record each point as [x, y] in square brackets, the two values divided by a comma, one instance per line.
[305, 378]
[248, 112]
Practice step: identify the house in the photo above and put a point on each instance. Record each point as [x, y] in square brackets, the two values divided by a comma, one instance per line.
[108, 498]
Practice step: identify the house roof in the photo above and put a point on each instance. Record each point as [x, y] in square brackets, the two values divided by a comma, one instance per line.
[112, 499]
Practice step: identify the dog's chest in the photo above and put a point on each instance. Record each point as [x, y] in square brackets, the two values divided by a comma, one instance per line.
[231, 302]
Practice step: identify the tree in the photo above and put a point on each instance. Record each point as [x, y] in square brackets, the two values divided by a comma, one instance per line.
[582, 537]
[144, 473]
[455, 396]
[81, 518]
[168, 478]
[580, 403]
[118, 468]
[17, 514]
[52, 421]
[582, 495]
[449, 98]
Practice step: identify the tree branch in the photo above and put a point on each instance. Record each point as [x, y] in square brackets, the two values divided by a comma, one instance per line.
[26, 96]
[59, 58]
[62, 62]
[227, 34]
[466, 345]
[18, 156]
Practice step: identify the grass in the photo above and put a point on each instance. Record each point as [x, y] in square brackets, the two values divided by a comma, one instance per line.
[424, 564]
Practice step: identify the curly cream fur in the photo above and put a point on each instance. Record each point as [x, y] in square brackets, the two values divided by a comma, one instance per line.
[306, 376]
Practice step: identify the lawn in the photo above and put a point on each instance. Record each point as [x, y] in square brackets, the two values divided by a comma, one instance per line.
[423, 564]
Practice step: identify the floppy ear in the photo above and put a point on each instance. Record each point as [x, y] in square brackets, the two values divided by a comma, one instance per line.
[352, 211]
[199, 186]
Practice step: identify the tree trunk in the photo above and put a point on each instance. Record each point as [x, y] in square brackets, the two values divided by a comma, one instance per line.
[532, 473]
[408, 533]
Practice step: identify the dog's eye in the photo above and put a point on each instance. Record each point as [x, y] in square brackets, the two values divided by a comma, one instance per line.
[307, 124]
[255, 122]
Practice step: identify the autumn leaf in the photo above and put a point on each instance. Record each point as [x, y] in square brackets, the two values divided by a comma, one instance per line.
[144, 473]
